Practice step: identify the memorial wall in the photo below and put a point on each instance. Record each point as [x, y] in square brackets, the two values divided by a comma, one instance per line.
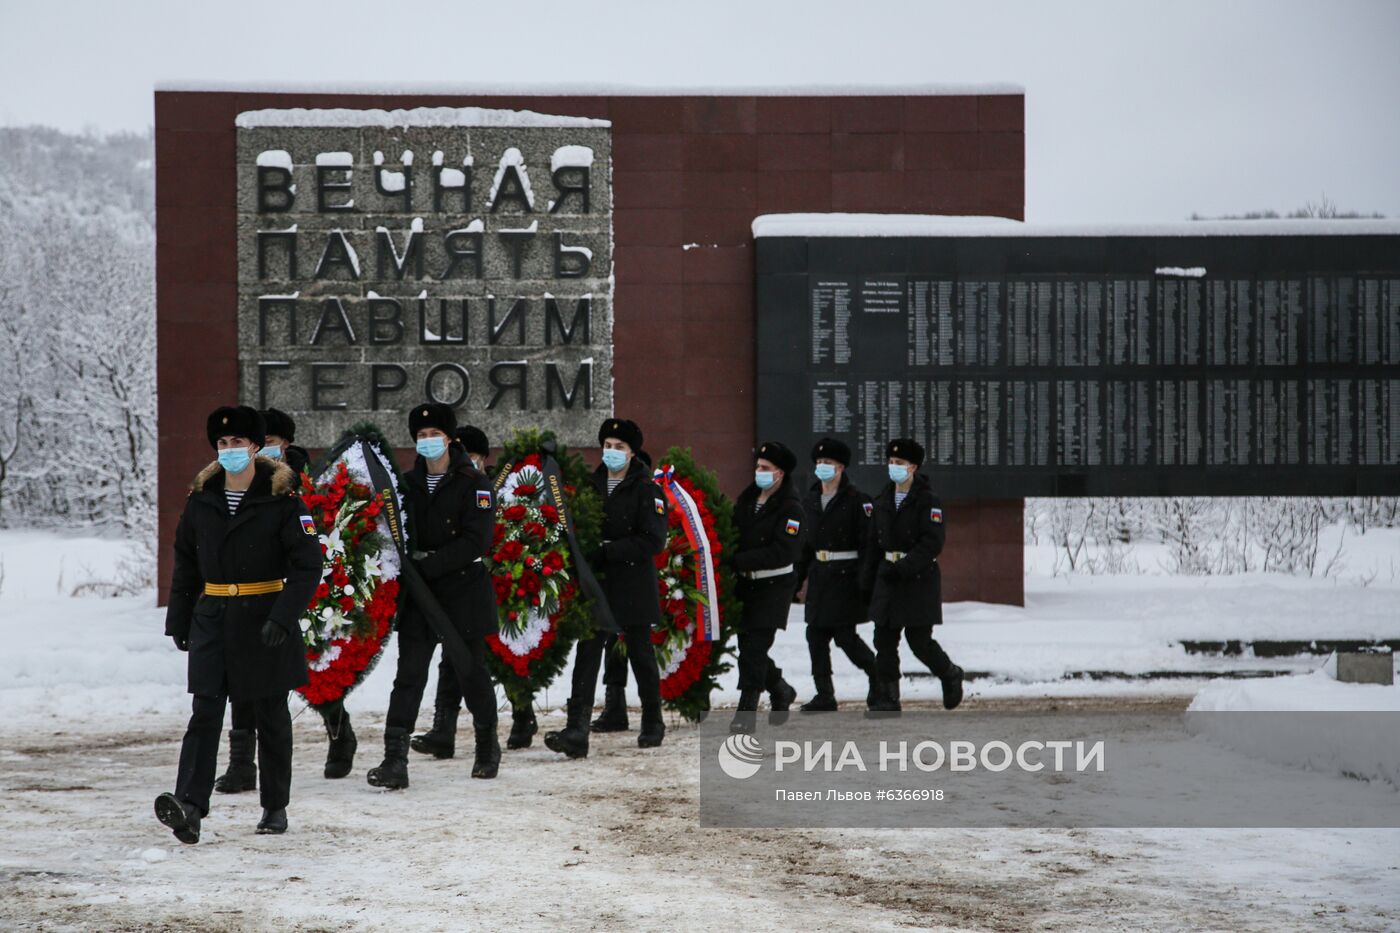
[1093, 365]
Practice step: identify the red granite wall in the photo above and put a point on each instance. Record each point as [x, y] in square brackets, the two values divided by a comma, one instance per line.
[689, 176]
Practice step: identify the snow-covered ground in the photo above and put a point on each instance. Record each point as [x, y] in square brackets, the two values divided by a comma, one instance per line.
[93, 703]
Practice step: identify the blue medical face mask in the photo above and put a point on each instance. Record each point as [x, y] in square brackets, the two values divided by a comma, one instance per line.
[826, 472]
[234, 459]
[431, 447]
[763, 478]
[898, 474]
[614, 459]
[271, 453]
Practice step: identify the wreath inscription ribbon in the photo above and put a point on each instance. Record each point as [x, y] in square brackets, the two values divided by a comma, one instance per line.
[707, 610]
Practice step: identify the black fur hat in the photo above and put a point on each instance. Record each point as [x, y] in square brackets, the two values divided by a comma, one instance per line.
[623, 430]
[238, 421]
[432, 415]
[473, 440]
[778, 454]
[280, 423]
[832, 449]
[906, 449]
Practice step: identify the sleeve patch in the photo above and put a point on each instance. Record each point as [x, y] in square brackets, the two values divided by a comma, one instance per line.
[483, 499]
[793, 526]
[935, 516]
[308, 525]
[660, 507]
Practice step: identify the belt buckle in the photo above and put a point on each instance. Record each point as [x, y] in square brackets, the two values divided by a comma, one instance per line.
[823, 556]
[233, 589]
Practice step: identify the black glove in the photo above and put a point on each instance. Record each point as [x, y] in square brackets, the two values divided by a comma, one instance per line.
[273, 634]
[181, 641]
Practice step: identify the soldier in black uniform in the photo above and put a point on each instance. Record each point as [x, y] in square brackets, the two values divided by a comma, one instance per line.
[451, 515]
[769, 518]
[613, 718]
[247, 562]
[903, 566]
[634, 532]
[838, 533]
[242, 773]
[441, 740]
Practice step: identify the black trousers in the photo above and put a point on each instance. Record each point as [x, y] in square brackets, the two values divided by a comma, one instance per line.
[847, 639]
[920, 639]
[241, 714]
[199, 752]
[640, 653]
[614, 664]
[756, 670]
[416, 643]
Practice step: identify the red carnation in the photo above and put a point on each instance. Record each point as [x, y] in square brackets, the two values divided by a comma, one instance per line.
[550, 513]
[514, 514]
[535, 530]
[347, 605]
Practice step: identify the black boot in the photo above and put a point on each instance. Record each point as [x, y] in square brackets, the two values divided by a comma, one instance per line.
[781, 695]
[653, 726]
[522, 727]
[340, 756]
[825, 700]
[743, 721]
[613, 718]
[572, 740]
[441, 740]
[181, 817]
[952, 681]
[888, 701]
[242, 773]
[392, 772]
[273, 822]
[873, 691]
[488, 750]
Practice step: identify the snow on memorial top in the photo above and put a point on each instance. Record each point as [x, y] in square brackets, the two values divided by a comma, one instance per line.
[458, 254]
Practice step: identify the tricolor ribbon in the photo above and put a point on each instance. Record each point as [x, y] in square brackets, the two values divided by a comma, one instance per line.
[706, 613]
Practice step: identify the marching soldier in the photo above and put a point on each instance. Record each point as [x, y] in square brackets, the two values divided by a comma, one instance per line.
[613, 718]
[838, 531]
[441, 740]
[451, 517]
[242, 773]
[902, 564]
[768, 516]
[634, 532]
[247, 562]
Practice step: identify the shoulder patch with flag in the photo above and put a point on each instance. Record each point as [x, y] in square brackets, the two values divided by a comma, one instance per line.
[793, 525]
[869, 508]
[935, 516]
[660, 507]
[483, 498]
[308, 524]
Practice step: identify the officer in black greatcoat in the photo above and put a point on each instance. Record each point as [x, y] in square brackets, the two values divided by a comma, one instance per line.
[634, 532]
[838, 536]
[242, 772]
[441, 740]
[903, 567]
[247, 562]
[613, 718]
[769, 518]
[451, 511]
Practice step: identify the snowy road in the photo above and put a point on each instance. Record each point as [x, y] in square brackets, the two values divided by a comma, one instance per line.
[613, 842]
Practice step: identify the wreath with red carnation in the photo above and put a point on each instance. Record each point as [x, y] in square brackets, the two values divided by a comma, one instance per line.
[349, 619]
[690, 663]
[541, 611]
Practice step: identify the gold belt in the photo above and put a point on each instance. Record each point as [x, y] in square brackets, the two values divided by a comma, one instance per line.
[243, 589]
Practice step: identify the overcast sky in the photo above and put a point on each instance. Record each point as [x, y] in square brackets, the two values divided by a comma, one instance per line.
[1135, 111]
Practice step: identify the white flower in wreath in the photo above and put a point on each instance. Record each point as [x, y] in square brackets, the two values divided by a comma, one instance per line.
[372, 568]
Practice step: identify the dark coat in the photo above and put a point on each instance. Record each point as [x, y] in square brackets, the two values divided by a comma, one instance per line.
[909, 592]
[634, 532]
[264, 540]
[456, 526]
[769, 538]
[835, 597]
[296, 457]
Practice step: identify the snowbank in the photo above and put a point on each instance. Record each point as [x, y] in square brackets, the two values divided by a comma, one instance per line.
[1307, 721]
[949, 225]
